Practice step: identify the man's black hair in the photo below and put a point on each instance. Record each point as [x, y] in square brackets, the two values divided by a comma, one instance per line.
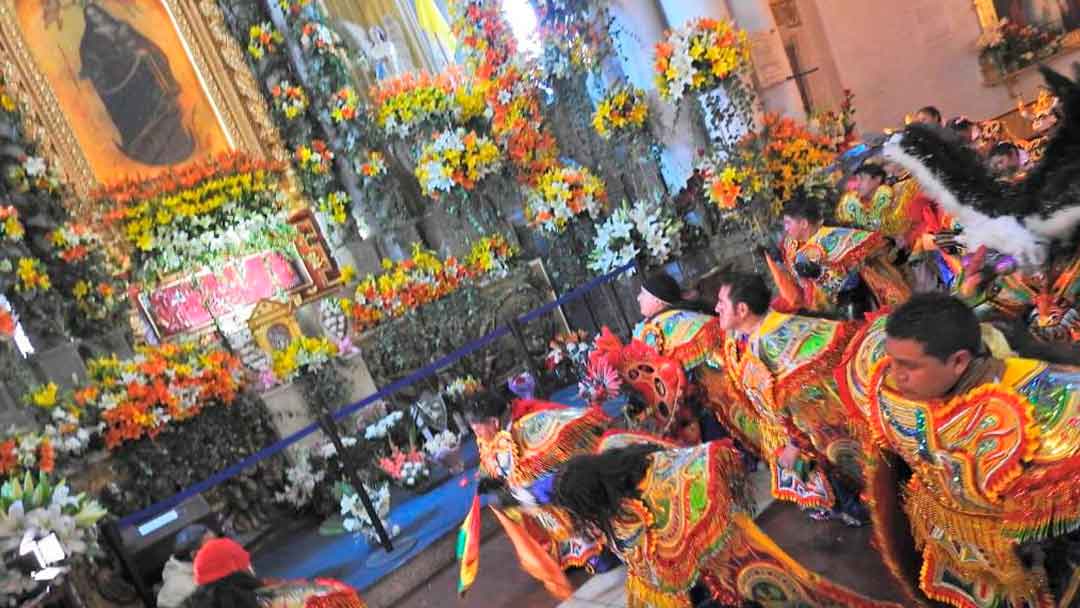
[803, 207]
[750, 289]
[932, 112]
[871, 170]
[1004, 148]
[960, 123]
[942, 324]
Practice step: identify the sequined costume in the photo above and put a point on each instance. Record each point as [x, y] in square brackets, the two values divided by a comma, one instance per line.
[866, 215]
[693, 524]
[782, 372]
[839, 257]
[993, 474]
[686, 336]
[538, 441]
[320, 593]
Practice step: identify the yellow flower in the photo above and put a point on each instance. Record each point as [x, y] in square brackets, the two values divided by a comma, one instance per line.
[45, 396]
[348, 273]
[81, 289]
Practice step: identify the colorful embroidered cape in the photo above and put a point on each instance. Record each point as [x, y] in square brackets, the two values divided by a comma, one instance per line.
[693, 523]
[993, 468]
[782, 371]
[689, 337]
[537, 444]
[869, 215]
[841, 253]
[323, 593]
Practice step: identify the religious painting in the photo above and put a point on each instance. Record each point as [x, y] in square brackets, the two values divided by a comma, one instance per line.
[786, 14]
[124, 82]
[116, 89]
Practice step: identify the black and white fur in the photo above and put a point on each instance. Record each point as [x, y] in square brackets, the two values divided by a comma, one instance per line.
[1017, 219]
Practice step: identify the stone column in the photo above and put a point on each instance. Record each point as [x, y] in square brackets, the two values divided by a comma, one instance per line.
[643, 25]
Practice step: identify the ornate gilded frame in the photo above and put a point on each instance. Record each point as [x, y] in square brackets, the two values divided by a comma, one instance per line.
[216, 56]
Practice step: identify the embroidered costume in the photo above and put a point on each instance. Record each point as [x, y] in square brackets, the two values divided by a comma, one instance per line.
[866, 215]
[781, 371]
[540, 439]
[839, 257]
[993, 469]
[693, 523]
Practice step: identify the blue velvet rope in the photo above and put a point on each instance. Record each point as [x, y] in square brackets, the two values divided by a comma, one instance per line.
[157, 508]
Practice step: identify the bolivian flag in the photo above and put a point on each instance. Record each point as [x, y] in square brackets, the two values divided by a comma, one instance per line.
[468, 547]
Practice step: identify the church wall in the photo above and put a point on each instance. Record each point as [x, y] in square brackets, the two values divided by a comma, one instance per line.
[900, 56]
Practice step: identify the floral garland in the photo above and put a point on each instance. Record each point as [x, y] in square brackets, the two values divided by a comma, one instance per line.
[200, 215]
[700, 56]
[517, 125]
[623, 110]
[648, 226]
[421, 279]
[485, 34]
[302, 354]
[456, 159]
[263, 40]
[372, 167]
[563, 193]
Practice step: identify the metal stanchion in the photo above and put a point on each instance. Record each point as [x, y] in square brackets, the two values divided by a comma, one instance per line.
[326, 421]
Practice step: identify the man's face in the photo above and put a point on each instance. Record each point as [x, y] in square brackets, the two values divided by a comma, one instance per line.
[926, 119]
[485, 428]
[727, 313]
[866, 185]
[1005, 164]
[920, 376]
[649, 304]
[796, 228]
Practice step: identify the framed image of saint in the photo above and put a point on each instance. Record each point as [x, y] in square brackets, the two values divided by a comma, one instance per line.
[1056, 14]
[125, 88]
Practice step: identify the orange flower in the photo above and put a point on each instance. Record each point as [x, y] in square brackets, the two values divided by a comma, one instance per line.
[7, 323]
[8, 459]
[46, 456]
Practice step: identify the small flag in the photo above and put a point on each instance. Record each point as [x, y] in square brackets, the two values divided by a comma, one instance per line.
[534, 560]
[468, 547]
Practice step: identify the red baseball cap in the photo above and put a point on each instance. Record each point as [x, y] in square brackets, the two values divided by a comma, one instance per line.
[219, 558]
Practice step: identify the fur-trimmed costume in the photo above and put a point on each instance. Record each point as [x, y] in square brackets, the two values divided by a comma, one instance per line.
[994, 468]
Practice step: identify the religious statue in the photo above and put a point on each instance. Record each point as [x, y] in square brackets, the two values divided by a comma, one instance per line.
[132, 77]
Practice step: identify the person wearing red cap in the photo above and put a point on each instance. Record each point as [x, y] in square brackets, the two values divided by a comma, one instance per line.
[226, 580]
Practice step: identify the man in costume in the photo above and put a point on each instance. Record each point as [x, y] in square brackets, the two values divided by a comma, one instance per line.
[520, 457]
[681, 520]
[672, 325]
[780, 365]
[822, 266]
[869, 203]
[226, 580]
[992, 445]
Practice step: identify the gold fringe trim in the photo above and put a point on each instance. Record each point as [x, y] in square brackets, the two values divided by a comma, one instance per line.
[640, 594]
[578, 437]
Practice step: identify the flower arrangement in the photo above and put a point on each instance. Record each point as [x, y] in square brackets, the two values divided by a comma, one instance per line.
[335, 206]
[27, 452]
[355, 516]
[568, 354]
[224, 208]
[700, 56]
[407, 469]
[648, 226]
[302, 354]
[372, 167]
[11, 229]
[316, 159]
[774, 162]
[41, 503]
[73, 242]
[319, 38]
[1011, 46]
[574, 35]
[301, 480]
[97, 301]
[293, 7]
[344, 105]
[621, 111]
[456, 159]
[413, 102]
[601, 381]
[517, 124]
[462, 388]
[263, 40]
[838, 126]
[441, 443]
[32, 278]
[421, 279]
[159, 386]
[382, 427]
[563, 193]
[289, 100]
[33, 173]
[485, 35]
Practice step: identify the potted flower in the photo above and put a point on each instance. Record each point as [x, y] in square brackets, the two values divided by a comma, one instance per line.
[445, 448]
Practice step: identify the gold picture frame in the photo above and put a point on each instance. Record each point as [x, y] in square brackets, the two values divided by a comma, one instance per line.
[223, 75]
[989, 17]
